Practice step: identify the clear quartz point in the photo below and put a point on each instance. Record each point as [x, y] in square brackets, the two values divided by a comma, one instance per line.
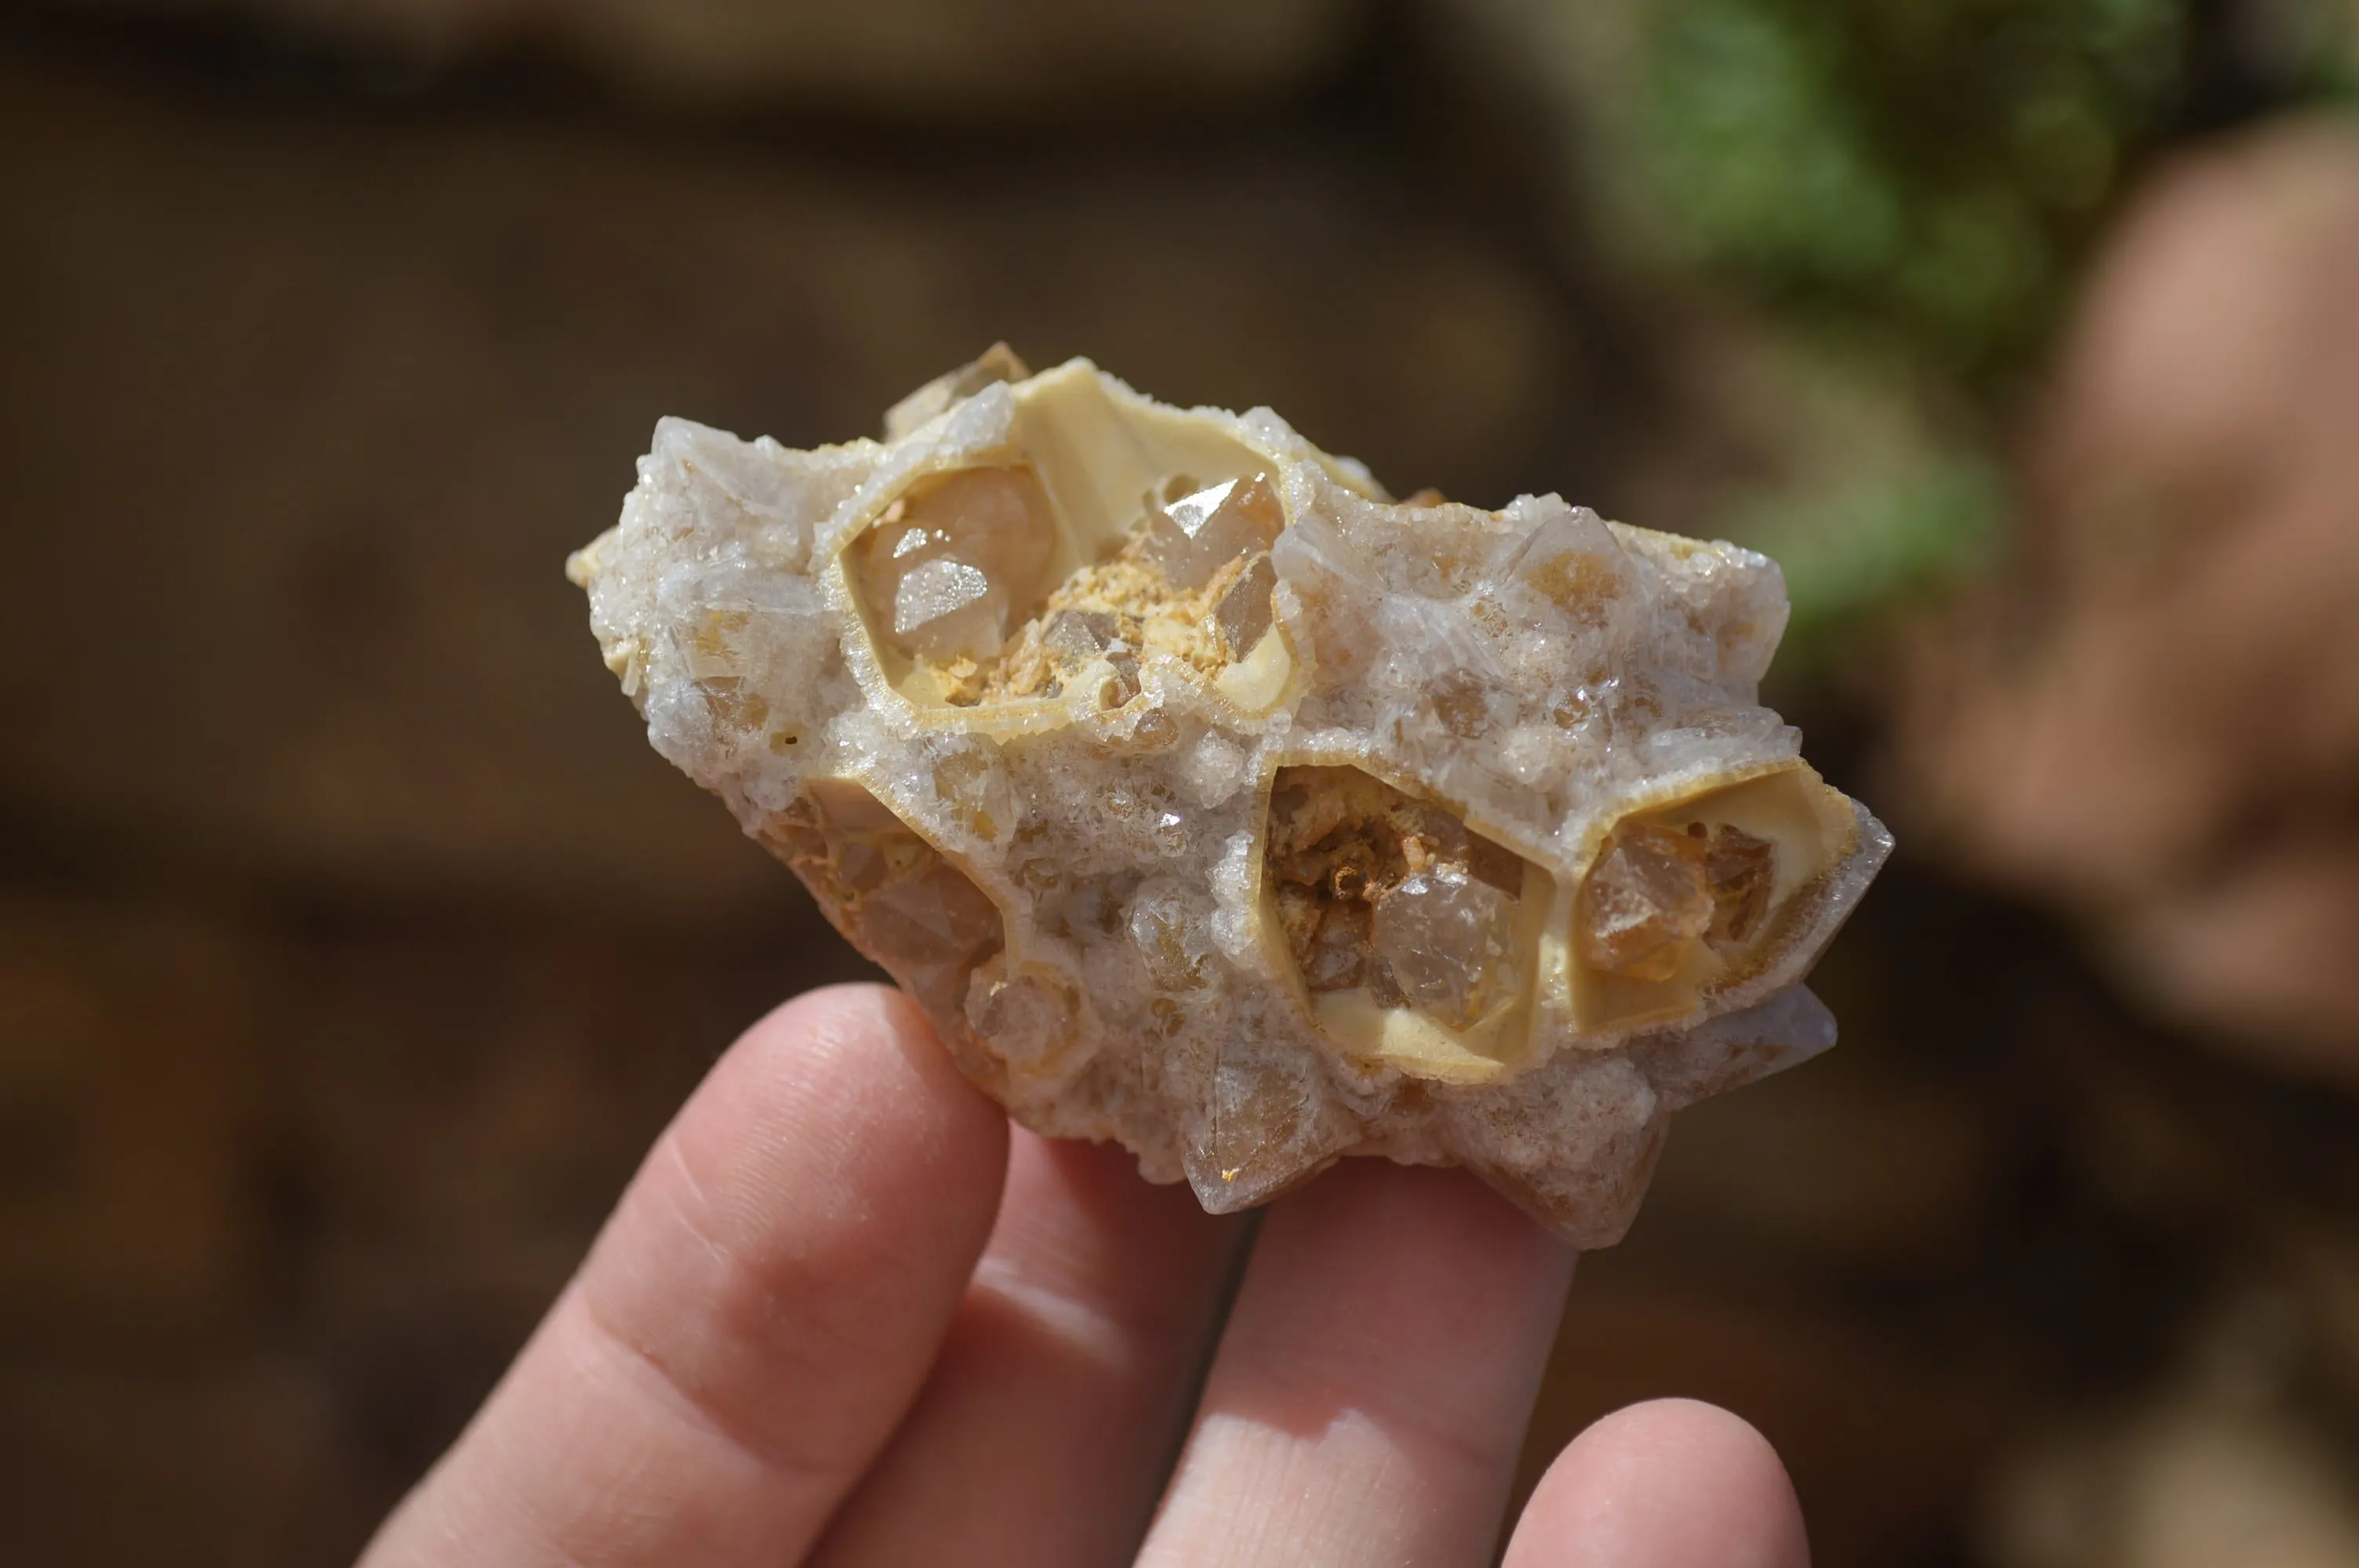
[945, 608]
[1244, 613]
[1742, 872]
[1450, 939]
[1026, 1021]
[960, 562]
[937, 918]
[1338, 958]
[1190, 540]
[1080, 633]
[1646, 902]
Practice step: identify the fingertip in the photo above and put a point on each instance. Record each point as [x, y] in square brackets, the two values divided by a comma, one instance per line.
[855, 1024]
[834, 1172]
[859, 1062]
[1670, 1482]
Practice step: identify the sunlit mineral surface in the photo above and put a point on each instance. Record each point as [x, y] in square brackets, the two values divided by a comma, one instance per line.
[1212, 802]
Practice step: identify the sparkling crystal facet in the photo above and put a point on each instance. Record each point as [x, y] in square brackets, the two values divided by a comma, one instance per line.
[957, 562]
[945, 609]
[1193, 537]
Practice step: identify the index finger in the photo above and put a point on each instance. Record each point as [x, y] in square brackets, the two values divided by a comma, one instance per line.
[754, 1320]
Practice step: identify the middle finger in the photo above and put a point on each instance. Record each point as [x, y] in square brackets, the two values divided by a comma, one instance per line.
[1373, 1387]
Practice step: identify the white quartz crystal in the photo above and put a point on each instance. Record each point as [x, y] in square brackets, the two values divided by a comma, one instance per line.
[1212, 802]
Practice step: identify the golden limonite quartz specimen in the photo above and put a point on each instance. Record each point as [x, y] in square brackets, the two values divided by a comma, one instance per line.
[1210, 801]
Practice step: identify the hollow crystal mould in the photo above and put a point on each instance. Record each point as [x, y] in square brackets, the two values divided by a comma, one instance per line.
[1210, 801]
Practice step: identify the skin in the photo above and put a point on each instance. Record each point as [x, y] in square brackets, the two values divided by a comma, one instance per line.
[846, 1315]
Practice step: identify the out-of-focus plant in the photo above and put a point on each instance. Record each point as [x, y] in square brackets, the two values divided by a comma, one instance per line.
[1927, 164]
[1910, 515]
[1897, 195]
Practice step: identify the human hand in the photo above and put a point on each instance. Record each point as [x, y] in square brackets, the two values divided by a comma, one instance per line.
[845, 1315]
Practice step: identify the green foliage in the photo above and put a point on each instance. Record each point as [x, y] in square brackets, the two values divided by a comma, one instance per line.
[1927, 167]
[1859, 546]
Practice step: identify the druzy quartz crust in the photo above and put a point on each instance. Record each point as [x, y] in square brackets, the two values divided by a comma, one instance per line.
[1212, 802]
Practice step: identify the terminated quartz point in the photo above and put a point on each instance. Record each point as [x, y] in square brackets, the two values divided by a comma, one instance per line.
[1211, 801]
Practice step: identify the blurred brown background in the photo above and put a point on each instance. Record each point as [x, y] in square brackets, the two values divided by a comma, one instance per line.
[353, 943]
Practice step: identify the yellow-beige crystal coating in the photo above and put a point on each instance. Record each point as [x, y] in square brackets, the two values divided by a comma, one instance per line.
[1211, 801]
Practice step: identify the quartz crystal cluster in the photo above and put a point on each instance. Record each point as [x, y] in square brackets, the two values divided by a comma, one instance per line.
[1210, 801]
